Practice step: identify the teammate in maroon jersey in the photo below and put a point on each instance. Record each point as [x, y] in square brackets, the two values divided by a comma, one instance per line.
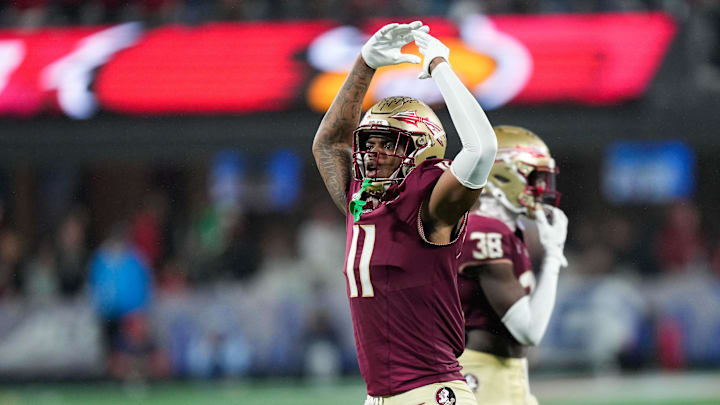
[505, 309]
[405, 208]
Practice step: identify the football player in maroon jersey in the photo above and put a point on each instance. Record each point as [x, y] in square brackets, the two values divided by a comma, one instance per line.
[405, 210]
[505, 309]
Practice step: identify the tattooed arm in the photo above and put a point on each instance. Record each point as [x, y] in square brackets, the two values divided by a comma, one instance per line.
[332, 146]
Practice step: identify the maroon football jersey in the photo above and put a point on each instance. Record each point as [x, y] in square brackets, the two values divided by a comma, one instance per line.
[489, 240]
[404, 300]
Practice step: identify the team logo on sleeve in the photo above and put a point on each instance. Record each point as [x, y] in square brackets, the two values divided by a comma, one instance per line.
[472, 381]
[445, 396]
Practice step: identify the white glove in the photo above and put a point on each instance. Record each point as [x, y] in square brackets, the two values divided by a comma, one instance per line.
[383, 48]
[431, 48]
[552, 236]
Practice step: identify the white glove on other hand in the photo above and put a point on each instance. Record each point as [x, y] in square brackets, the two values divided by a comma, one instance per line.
[431, 48]
[383, 48]
[552, 236]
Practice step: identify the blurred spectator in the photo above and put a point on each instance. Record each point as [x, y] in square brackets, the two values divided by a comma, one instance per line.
[221, 245]
[596, 261]
[687, 320]
[71, 252]
[148, 227]
[120, 282]
[323, 355]
[282, 288]
[220, 241]
[40, 276]
[624, 239]
[239, 259]
[598, 316]
[11, 256]
[204, 240]
[220, 348]
[585, 233]
[172, 276]
[669, 335]
[680, 244]
[321, 246]
[136, 354]
[120, 279]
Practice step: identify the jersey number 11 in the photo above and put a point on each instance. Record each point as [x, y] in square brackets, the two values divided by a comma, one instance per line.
[365, 255]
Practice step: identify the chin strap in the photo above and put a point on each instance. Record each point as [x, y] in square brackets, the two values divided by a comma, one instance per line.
[356, 204]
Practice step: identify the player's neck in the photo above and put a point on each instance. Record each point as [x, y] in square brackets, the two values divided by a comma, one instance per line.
[492, 207]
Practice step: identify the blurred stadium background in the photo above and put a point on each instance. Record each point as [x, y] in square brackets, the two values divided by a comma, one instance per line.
[165, 238]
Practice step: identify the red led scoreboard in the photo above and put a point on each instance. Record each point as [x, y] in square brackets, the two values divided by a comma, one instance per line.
[596, 59]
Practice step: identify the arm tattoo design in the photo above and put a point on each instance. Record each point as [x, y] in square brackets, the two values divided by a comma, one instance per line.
[333, 140]
[334, 166]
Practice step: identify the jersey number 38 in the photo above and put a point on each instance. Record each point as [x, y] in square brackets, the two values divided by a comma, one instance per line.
[489, 245]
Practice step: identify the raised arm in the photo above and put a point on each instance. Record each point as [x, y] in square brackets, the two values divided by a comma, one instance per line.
[458, 188]
[332, 146]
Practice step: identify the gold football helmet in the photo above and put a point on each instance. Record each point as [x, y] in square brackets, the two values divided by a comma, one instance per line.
[523, 175]
[412, 125]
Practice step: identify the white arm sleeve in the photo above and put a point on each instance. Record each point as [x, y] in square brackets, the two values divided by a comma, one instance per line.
[472, 165]
[529, 316]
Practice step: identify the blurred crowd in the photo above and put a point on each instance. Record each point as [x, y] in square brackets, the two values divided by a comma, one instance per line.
[35, 13]
[207, 288]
